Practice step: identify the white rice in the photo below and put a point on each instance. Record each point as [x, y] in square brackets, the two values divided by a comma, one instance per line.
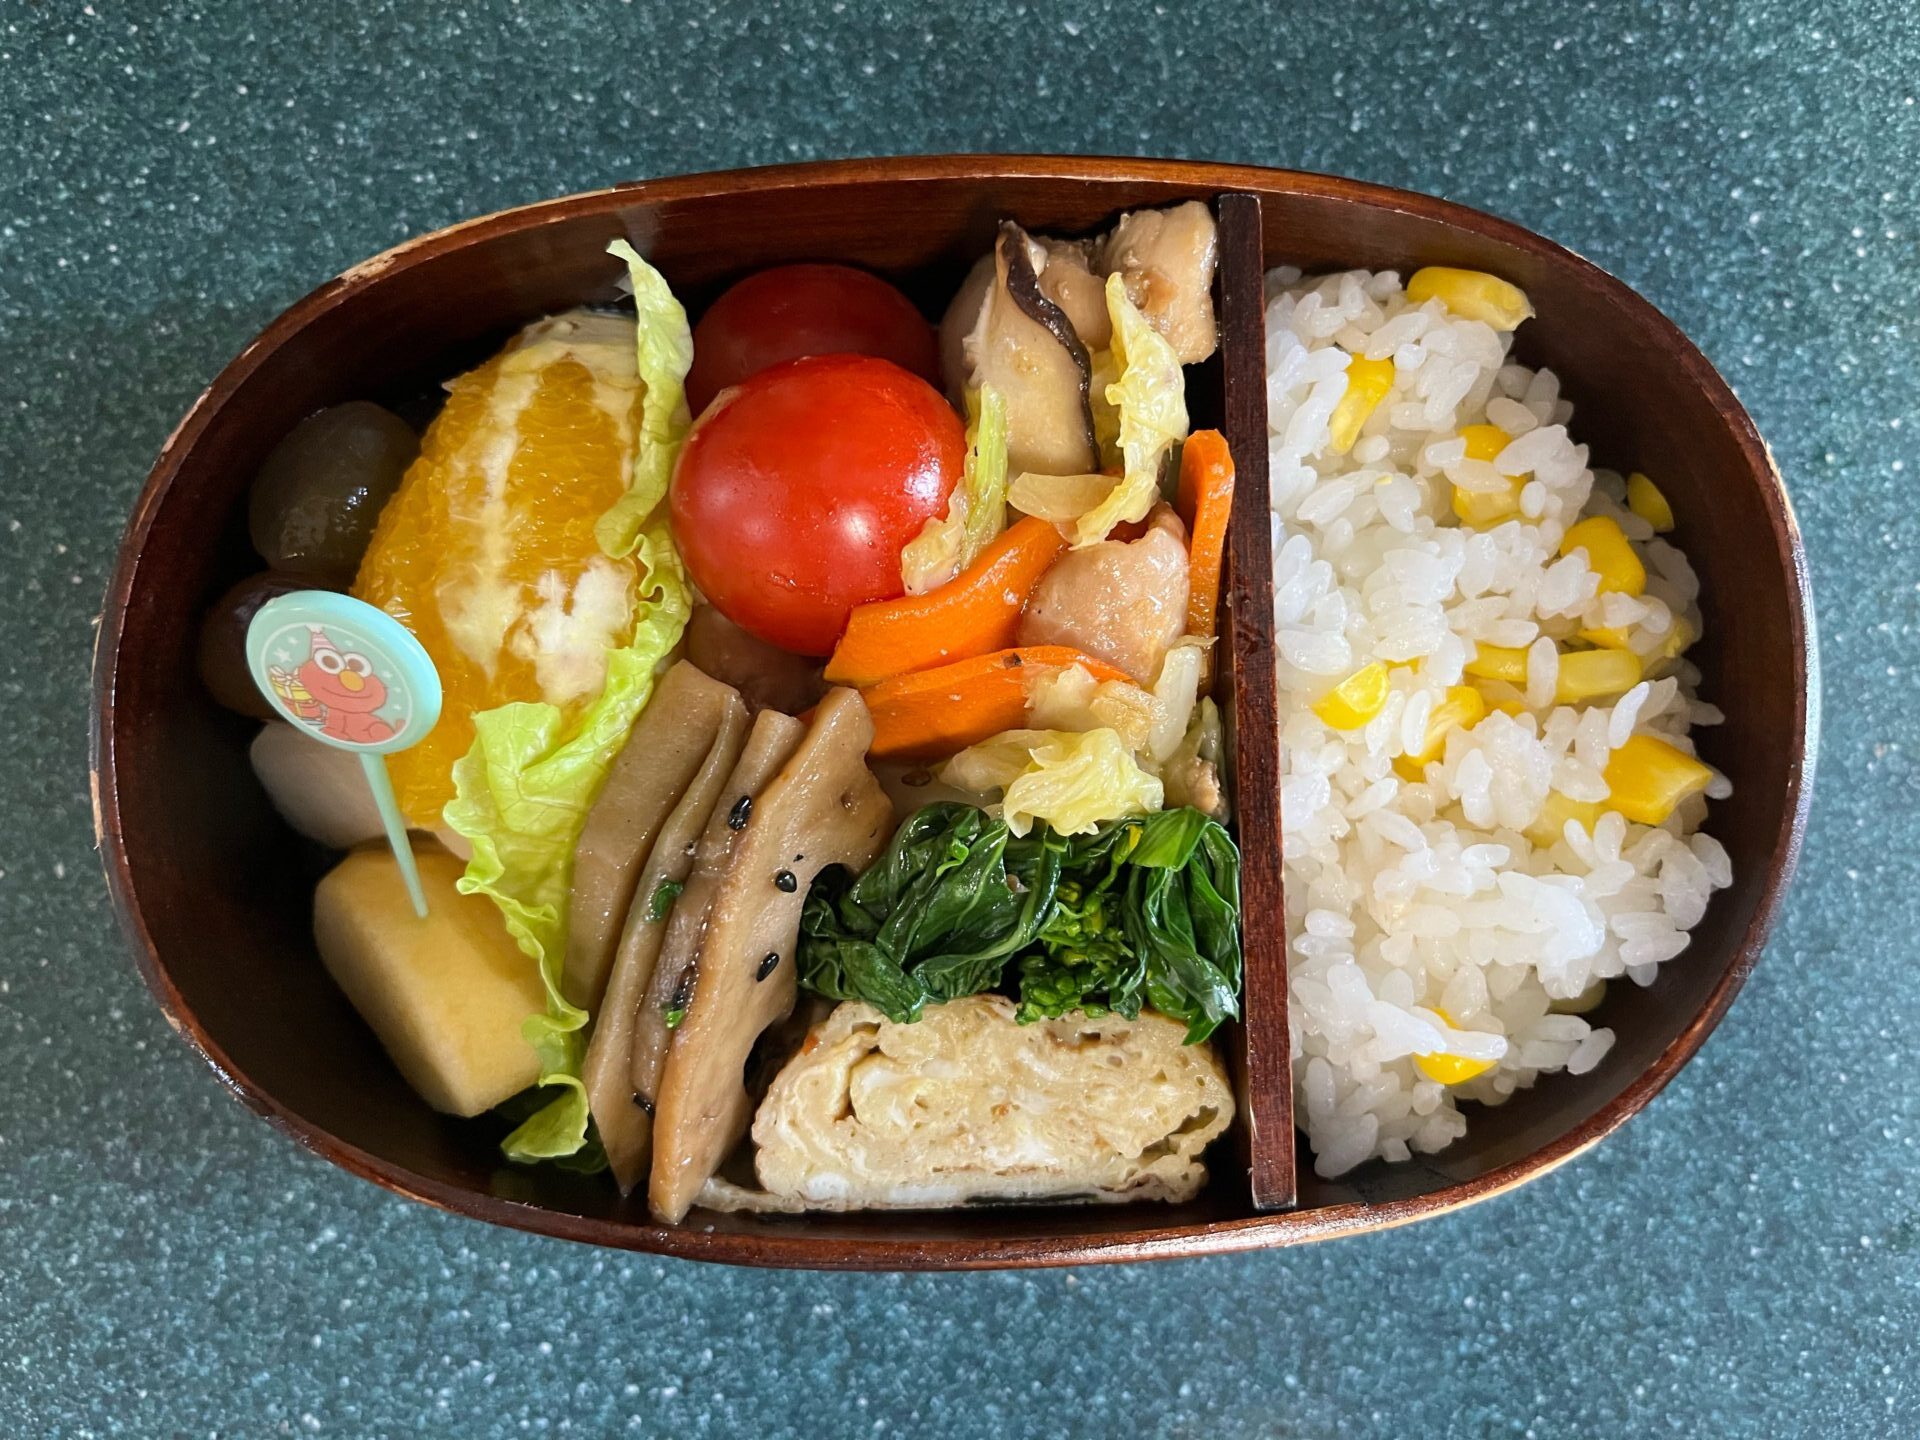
[1405, 899]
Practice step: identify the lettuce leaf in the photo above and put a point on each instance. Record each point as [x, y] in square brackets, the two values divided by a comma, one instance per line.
[665, 348]
[522, 792]
[977, 510]
[1141, 414]
[522, 795]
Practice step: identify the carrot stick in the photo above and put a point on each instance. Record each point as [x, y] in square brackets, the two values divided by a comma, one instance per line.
[975, 612]
[1206, 502]
[943, 710]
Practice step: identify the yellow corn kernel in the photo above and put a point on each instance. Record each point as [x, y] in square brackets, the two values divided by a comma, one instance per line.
[1608, 637]
[1461, 708]
[1646, 501]
[1610, 555]
[1501, 696]
[1590, 674]
[1551, 823]
[1355, 700]
[1485, 441]
[1587, 1000]
[1472, 295]
[1499, 662]
[1484, 508]
[1647, 779]
[1678, 639]
[1368, 382]
[1448, 1069]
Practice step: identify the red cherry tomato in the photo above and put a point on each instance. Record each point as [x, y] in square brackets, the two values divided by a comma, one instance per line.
[797, 491]
[794, 310]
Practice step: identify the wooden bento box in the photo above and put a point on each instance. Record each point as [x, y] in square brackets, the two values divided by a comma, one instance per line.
[213, 891]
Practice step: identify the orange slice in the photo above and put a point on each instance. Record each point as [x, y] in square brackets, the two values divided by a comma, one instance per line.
[487, 551]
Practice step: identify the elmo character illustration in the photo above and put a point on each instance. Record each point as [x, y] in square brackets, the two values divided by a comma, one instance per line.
[349, 692]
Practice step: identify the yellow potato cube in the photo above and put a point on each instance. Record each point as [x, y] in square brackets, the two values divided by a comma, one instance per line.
[446, 995]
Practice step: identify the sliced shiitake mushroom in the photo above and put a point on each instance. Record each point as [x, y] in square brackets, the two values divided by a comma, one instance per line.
[666, 750]
[824, 808]
[1067, 279]
[1016, 339]
[768, 678]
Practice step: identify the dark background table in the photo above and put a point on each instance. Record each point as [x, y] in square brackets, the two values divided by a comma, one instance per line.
[1740, 1260]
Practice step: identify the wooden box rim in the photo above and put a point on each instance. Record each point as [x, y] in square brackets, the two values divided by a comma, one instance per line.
[980, 1251]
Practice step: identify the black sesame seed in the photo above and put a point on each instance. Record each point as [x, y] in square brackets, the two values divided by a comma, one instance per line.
[741, 812]
[767, 966]
[644, 1103]
[786, 881]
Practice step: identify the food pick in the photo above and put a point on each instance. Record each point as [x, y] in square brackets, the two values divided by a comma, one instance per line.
[350, 676]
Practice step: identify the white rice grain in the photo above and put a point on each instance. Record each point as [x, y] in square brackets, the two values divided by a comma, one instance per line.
[1451, 910]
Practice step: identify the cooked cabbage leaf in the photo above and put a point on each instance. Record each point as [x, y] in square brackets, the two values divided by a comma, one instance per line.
[1070, 781]
[522, 794]
[1141, 415]
[977, 509]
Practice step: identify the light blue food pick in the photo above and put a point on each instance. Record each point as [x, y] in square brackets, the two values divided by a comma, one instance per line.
[350, 676]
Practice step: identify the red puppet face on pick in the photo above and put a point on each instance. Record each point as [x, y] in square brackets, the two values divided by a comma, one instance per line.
[341, 681]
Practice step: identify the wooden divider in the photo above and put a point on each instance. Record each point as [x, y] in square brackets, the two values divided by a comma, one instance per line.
[1261, 1047]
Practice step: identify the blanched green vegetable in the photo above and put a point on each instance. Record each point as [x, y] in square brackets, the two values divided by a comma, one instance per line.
[1144, 910]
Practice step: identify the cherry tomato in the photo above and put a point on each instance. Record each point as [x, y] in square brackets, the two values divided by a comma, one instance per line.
[797, 491]
[794, 310]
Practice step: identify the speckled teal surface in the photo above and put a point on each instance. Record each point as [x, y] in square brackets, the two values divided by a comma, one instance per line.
[1741, 1260]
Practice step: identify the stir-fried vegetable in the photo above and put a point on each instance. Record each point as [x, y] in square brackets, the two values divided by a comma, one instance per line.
[1142, 414]
[1143, 911]
[1072, 781]
[936, 712]
[1206, 504]
[976, 612]
[977, 508]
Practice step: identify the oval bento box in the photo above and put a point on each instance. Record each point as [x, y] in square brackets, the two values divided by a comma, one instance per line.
[214, 893]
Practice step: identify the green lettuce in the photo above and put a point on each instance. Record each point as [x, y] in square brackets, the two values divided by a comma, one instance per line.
[522, 796]
[522, 792]
[977, 510]
[665, 350]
